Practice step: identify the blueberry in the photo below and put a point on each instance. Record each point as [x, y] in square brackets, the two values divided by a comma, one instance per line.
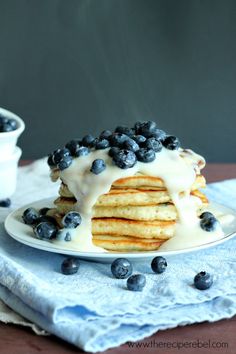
[122, 129]
[50, 161]
[159, 264]
[130, 144]
[46, 218]
[171, 142]
[206, 215]
[71, 220]
[158, 134]
[43, 211]
[5, 203]
[203, 281]
[30, 216]
[6, 128]
[65, 162]
[209, 224]
[60, 154]
[98, 166]
[70, 266]
[101, 144]
[137, 127]
[145, 155]
[117, 139]
[136, 282]
[146, 128]
[45, 230]
[13, 123]
[88, 140]
[105, 134]
[153, 144]
[125, 159]
[140, 139]
[113, 151]
[121, 268]
[82, 151]
[73, 146]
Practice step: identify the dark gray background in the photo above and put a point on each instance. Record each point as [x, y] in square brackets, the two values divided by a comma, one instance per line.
[69, 67]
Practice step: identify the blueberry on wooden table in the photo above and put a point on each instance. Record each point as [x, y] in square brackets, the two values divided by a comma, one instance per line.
[136, 282]
[121, 268]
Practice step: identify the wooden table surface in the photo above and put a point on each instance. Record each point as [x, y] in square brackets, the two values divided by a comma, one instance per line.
[217, 337]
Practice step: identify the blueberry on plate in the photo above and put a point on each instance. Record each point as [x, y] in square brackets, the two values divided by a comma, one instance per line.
[136, 282]
[101, 144]
[82, 151]
[30, 216]
[153, 144]
[121, 268]
[130, 144]
[209, 223]
[43, 211]
[60, 154]
[118, 139]
[46, 218]
[45, 230]
[159, 264]
[203, 281]
[145, 155]
[122, 129]
[65, 162]
[98, 166]
[206, 215]
[171, 142]
[105, 134]
[71, 220]
[5, 203]
[88, 141]
[125, 159]
[73, 146]
[113, 151]
[70, 266]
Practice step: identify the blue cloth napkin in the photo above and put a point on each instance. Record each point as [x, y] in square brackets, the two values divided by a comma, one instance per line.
[93, 310]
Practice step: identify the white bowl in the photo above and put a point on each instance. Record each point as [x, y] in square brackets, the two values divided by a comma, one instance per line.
[8, 173]
[8, 140]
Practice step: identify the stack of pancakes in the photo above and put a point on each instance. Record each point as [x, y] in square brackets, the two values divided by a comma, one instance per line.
[136, 215]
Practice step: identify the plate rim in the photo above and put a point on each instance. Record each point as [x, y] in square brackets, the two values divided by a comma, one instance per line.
[50, 247]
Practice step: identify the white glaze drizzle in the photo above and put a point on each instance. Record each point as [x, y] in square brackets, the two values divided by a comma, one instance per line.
[177, 168]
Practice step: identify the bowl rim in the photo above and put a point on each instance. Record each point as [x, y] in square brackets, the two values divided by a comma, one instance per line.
[21, 124]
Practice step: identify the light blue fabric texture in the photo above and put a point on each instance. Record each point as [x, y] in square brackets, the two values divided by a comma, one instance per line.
[95, 311]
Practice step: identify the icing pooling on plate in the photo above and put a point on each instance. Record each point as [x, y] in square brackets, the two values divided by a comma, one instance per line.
[177, 168]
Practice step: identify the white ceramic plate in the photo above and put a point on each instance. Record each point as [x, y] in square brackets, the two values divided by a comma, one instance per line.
[24, 234]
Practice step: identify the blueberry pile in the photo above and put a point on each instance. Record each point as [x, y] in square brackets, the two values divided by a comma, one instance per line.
[126, 147]
[46, 228]
[208, 221]
[7, 124]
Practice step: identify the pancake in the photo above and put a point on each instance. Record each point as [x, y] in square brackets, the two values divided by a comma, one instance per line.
[141, 229]
[126, 244]
[162, 211]
[151, 183]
